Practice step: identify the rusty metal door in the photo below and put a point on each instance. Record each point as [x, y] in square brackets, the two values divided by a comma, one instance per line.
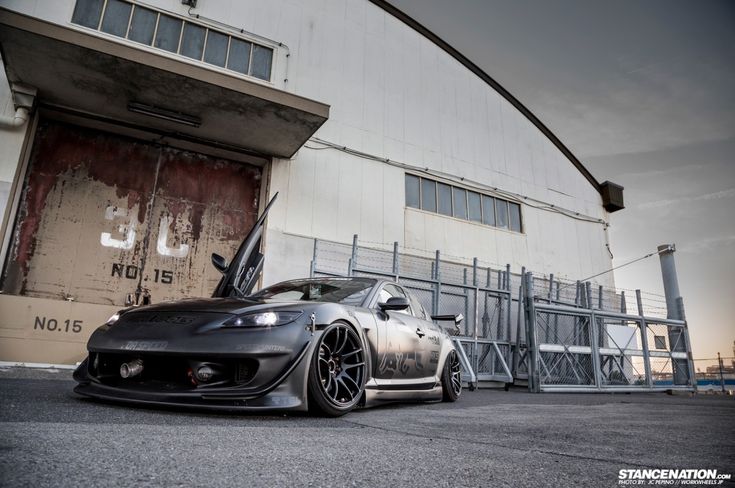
[103, 216]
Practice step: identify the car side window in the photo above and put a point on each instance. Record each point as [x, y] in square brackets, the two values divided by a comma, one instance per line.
[418, 309]
[389, 291]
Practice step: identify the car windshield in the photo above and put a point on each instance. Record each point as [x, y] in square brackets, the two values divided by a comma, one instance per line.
[347, 291]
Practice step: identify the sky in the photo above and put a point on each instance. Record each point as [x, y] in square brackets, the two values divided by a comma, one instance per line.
[643, 93]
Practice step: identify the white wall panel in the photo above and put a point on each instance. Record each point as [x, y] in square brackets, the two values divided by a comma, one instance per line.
[396, 95]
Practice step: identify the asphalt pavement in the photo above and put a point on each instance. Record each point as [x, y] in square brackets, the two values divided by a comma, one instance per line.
[49, 436]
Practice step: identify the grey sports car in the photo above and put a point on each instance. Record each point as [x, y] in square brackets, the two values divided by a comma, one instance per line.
[326, 345]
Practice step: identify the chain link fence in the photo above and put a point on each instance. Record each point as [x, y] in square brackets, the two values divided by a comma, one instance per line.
[715, 375]
[481, 295]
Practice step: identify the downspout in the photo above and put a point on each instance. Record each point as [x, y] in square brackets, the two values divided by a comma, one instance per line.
[24, 98]
[14, 121]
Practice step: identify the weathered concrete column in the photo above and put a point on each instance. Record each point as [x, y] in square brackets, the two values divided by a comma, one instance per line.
[677, 336]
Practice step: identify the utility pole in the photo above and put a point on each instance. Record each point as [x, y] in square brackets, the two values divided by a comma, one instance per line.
[722, 377]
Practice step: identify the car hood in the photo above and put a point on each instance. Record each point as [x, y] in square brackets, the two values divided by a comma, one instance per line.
[219, 305]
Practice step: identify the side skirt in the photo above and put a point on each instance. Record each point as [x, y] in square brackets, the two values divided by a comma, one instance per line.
[376, 396]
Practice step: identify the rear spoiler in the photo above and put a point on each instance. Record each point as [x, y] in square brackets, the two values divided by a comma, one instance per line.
[457, 318]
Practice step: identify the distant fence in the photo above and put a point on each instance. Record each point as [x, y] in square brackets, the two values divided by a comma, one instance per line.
[557, 335]
[715, 374]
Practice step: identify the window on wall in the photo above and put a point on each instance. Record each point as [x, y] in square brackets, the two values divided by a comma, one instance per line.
[444, 192]
[153, 28]
[413, 191]
[428, 195]
[453, 201]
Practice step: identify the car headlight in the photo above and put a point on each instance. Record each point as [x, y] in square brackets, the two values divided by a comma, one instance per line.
[262, 319]
[115, 317]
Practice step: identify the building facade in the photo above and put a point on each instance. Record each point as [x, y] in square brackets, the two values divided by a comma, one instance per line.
[156, 131]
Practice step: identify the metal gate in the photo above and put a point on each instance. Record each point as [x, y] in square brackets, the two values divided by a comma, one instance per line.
[103, 217]
[586, 349]
[482, 295]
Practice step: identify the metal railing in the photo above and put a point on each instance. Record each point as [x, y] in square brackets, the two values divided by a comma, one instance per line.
[582, 348]
[483, 338]
[556, 335]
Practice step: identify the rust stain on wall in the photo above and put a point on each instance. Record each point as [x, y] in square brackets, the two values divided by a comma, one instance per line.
[201, 182]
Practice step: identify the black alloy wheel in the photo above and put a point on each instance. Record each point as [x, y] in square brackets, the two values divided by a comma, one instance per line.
[451, 378]
[338, 369]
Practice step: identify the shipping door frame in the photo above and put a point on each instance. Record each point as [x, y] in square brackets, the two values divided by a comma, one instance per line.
[110, 126]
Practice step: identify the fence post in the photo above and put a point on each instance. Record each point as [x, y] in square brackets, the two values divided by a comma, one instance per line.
[486, 329]
[533, 363]
[644, 340]
[517, 349]
[474, 271]
[477, 300]
[312, 269]
[476, 350]
[556, 316]
[688, 346]
[595, 339]
[352, 264]
[508, 318]
[395, 260]
[548, 333]
[437, 284]
[551, 287]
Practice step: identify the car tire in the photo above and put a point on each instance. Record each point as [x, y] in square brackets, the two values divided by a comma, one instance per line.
[451, 378]
[337, 372]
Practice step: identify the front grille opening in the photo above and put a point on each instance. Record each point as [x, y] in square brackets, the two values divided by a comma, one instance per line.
[246, 370]
[172, 373]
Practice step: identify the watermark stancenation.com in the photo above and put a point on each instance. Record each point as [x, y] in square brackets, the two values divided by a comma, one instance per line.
[674, 477]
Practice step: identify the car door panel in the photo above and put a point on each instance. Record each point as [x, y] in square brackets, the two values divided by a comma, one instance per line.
[403, 348]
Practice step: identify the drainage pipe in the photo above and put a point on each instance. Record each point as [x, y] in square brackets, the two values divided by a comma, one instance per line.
[14, 121]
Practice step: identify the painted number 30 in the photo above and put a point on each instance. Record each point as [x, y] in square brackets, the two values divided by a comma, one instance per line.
[128, 230]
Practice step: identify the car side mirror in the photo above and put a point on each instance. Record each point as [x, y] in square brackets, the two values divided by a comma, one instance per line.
[219, 262]
[394, 303]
